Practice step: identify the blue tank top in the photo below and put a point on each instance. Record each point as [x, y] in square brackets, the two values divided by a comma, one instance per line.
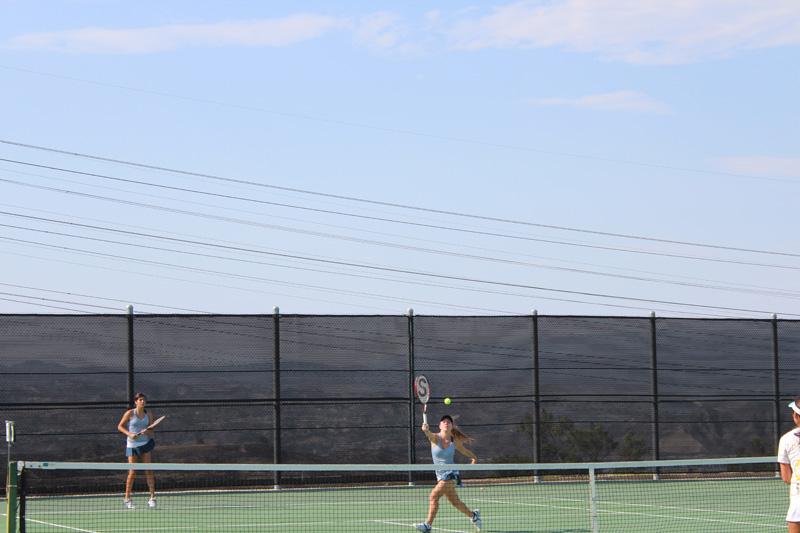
[135, 425]
[444, 456]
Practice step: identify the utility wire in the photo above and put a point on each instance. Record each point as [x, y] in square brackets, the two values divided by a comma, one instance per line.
[125, 301]
[418, 248]
[372, 267]
[393, 204]
[728, 286]
[439, 251]
[328, 289]
[359, 294]
[37, 304]
[58, 301]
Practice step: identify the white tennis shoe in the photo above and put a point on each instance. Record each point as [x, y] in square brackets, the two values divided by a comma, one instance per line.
[128, 504]
[476, 519]
[151, 503]
[424, 527]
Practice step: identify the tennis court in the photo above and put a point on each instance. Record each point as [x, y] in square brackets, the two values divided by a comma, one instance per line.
[714, 500]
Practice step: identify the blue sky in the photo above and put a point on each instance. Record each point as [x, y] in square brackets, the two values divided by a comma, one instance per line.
[572, 138]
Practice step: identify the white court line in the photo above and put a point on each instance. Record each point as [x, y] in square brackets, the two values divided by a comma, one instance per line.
[547, 505]
[195, 507]
[716, 520]
[646, 505]
[412, 525]
[194, 527]
[653, 506]
[674, 517]
[59, 525]
[123, 510]
[678, 508]
[260, 525]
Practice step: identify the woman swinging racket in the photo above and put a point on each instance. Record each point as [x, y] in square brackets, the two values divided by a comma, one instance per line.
[443, 449]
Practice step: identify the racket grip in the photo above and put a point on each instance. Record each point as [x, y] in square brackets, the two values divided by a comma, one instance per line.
[424, 418]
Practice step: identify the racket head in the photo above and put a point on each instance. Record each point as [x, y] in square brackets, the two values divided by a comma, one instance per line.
[157, 421]
[422, 389]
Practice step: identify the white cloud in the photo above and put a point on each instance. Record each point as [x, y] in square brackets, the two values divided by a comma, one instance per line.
[266, 32]
[766, 166]
[613, 101]
[635, 31]
[379, 30]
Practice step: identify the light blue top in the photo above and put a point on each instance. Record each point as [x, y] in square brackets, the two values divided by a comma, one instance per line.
[444, 456]
[135, 425]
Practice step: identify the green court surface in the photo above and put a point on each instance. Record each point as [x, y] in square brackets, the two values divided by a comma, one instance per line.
[720, 505]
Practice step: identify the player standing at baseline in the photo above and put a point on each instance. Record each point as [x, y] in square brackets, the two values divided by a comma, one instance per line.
[140, 444]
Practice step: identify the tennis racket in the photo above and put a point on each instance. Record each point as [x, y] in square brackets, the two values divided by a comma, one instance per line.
[156, 422]
[423, 391]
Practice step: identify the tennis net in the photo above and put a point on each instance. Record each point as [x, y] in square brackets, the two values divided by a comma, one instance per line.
[731, 495]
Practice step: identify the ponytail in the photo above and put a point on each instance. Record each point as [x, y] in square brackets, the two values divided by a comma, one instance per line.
[461, 436]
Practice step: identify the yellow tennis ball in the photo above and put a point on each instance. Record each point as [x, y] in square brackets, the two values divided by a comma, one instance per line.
[448, 401]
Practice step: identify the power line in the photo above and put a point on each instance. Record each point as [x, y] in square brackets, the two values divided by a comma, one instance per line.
[58, 301]
[248, 290]
[395, 205]
[372, 267]
[125, 301]
[324, 289]
[339, 291]
[37, 304]
[415, 248]
[730, 286]
[429, 250]
[361, 294]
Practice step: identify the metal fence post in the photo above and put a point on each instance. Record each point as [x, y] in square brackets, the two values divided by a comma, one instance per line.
[22, 507]
[131, 382]
[776, 383]
[537, 406]
[654, 389]
[276, 392]
[411, 370]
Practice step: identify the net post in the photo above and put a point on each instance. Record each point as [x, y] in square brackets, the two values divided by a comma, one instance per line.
[537, 406]
[410, 388]
[593, 501]
[276, 392]
[21, 517]
[12, 480]
[654, 391]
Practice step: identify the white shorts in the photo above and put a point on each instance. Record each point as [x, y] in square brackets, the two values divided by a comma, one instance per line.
[793, 515]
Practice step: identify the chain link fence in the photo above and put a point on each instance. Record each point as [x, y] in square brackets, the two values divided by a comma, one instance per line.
[337, 389]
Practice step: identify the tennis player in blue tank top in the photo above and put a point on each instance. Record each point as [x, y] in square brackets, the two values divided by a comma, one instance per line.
[139, 445]
[444, 445]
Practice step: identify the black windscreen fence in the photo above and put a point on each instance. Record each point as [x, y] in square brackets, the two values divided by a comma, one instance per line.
[337, 389]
